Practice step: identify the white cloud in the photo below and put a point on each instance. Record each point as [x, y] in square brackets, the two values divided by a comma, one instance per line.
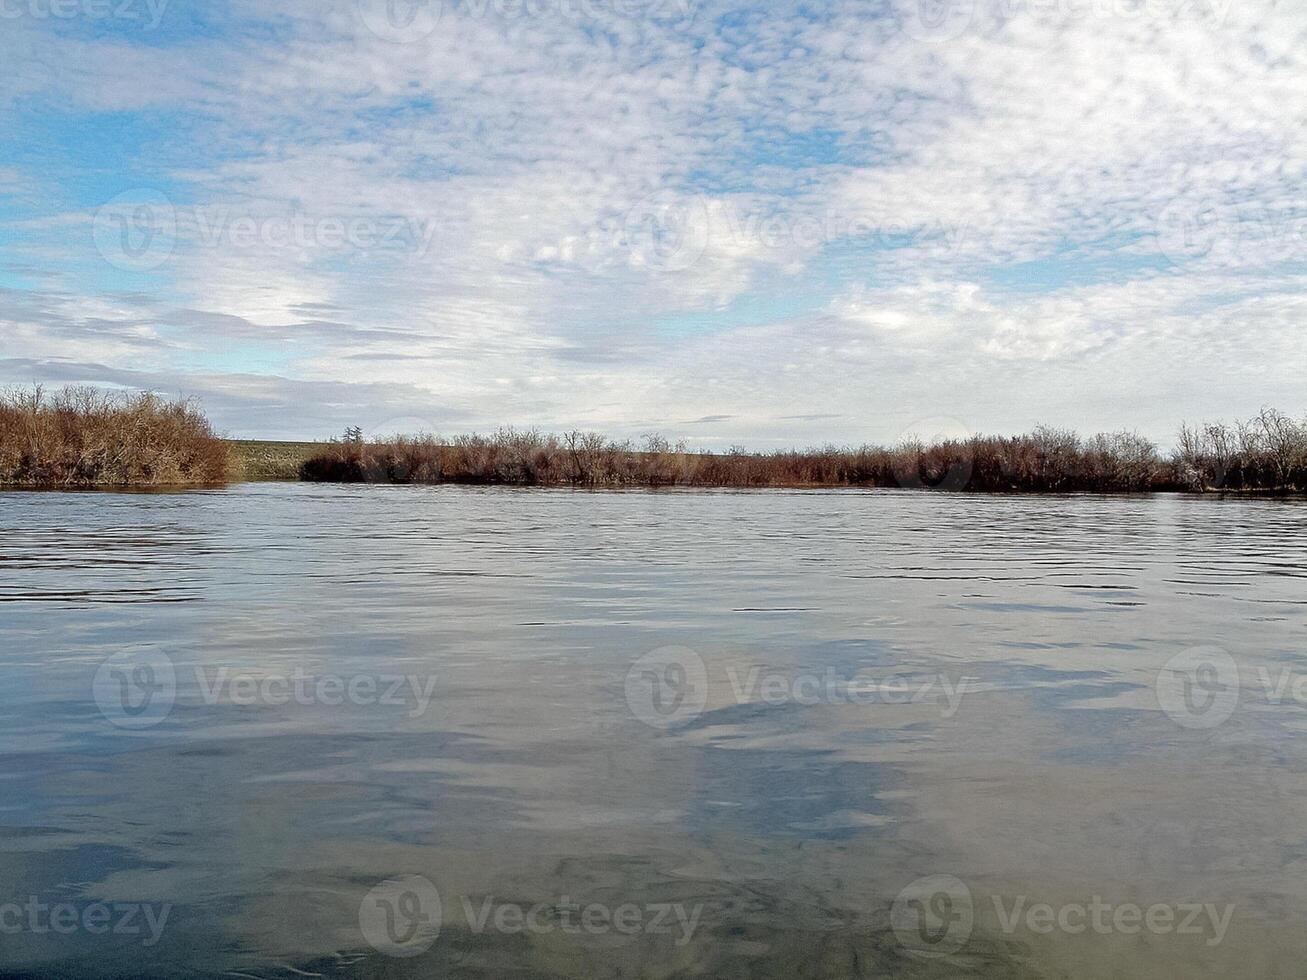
[864, 194]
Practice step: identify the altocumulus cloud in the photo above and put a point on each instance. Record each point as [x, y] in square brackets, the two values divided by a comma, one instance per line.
[757, 224]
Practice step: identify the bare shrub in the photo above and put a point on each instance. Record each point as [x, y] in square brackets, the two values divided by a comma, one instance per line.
[1268, 452]
[82, 436]
[1047, 460]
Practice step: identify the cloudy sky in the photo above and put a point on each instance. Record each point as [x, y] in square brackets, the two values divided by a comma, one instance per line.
[768, 224]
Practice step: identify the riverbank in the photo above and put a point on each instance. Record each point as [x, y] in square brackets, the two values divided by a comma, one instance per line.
[84, 437]
[1268, 454]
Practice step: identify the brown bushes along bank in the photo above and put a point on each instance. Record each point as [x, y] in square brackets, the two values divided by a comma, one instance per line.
[1272, 455]
[84, 437]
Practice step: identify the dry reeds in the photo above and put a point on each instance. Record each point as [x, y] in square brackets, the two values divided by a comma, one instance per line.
[1269, 453]
[85, 437]
[1047, 460]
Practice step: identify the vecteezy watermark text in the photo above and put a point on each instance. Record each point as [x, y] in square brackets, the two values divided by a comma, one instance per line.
[138, 688]
[828, 687]
[403, 917]
[591, 919]
[141, 230]
[139, 920]
[937, 21]
[147, 13]
[300, 687]
[670, 687]
[936, 916]
[408, 21]
[1201, 919]
[669, 232]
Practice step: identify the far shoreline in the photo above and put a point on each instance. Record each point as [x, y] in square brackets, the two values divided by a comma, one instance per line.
[1266, 456]
[86, 438]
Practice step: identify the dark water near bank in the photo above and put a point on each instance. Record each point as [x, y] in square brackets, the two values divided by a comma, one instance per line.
[651, 735]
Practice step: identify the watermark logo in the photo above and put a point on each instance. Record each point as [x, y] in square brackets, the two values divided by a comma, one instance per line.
[401, 917]
[136, 231]
[670, 232]
[136, 689]
[934, 21]
[1199, 687]
[1202, 687]
[401, 21]
[667, 232]
[937, 915]
[1188, 231]
[667, 687]
[131, 921]
[933, 916]
[935, 454]
[140, 230]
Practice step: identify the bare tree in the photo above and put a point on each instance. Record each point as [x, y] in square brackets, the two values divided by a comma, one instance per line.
[1284, 443]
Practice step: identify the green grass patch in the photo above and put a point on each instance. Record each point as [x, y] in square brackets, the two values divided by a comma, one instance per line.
[256, 459]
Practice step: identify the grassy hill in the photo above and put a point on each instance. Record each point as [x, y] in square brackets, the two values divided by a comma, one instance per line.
[255, 459]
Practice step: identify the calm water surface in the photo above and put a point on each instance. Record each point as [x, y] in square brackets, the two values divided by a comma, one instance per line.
[651, 734]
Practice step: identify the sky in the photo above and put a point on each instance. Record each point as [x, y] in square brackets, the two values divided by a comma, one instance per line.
[767, 225]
